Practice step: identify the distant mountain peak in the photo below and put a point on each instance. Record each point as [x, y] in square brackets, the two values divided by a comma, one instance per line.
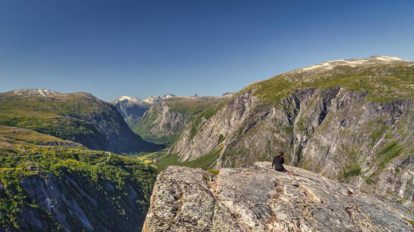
[155, 99]
[151, 99]
[128, 99]
[168, 95]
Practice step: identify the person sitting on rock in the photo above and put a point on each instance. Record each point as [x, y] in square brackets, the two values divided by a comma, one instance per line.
[278, 162]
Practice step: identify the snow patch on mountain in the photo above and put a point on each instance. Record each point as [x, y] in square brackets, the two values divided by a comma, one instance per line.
[41, 92]
[352, 63]
[129, 99]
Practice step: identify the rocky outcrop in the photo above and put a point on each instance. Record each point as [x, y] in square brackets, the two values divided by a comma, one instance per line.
[260, 199]
[161, 122]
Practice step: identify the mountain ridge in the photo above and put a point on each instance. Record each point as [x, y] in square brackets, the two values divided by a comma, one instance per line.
[78, 117]
[351, 122]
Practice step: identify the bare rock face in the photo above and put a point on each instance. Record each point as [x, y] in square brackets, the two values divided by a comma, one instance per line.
[260, 199]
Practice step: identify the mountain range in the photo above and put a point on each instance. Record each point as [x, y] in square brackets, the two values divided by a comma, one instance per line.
[72, 162]
[349, 120]
[78, 117]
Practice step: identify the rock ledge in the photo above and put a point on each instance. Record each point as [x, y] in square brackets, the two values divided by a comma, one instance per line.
[260, 199]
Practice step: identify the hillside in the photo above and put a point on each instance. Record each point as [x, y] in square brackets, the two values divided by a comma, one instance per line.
[349, 120]
[261, 199]
[48, 184]
[166, 119]
[78, 117]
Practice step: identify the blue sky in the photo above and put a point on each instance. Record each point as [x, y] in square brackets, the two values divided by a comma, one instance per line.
[143, 48]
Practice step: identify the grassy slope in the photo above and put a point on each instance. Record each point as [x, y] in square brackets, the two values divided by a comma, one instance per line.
[25, 153]
[76, 117]
[162, 160]
[382, 83]
[60, 115]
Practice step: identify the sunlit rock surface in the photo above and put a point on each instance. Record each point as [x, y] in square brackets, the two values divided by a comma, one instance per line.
[260, 199]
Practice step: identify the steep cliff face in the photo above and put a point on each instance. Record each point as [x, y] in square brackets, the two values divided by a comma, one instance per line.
[260, 199]
[79, 117]
[167, 118]
[160, 123]
[48, 184]
[72, 202]
[132, 109]
[348, 120]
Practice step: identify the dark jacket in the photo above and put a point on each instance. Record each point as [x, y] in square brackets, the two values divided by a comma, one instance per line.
[278, 162]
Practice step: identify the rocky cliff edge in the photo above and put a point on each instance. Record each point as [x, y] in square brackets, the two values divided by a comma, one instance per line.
[261, 199]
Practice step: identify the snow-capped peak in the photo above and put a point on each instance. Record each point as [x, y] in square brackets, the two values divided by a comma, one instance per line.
[151, 99]
[168, 95]
[128, 100]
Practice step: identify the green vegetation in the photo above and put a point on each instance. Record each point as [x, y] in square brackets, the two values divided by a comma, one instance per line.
[388, 153]
[214, 172]
[78, 117]
[382, 84]
[45, 157]
[66, 116]
[221, 139]
[45, 113]
[353, 170]
[193, 109]
[189, 106]
[163, 160]
[208, 112]
[410, 221]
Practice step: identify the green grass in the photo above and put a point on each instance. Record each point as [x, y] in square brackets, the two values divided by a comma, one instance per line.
[62, 115]
[214, 172]
[205, 162]
[383, 157]
[164, 160]
[389, 152]
[186, 105]
[353, 170]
